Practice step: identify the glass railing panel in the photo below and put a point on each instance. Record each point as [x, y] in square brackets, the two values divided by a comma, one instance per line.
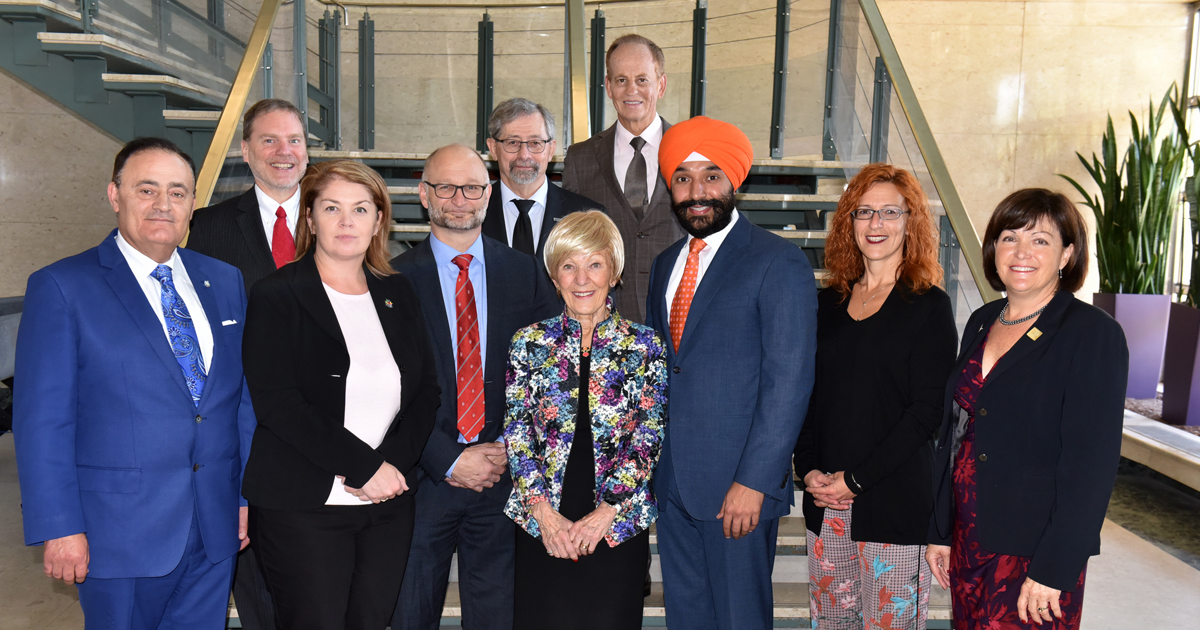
[741, 64]
[529, 60]
[808, 53]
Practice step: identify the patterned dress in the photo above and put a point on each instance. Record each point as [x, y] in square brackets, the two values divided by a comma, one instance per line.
[985, 586]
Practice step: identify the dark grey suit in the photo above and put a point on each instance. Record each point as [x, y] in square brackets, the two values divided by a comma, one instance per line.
[518, 294]
[589, 171]
[232, 232]
[559, 203]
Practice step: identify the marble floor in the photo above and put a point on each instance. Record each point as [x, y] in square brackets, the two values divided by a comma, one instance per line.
[1144, 580]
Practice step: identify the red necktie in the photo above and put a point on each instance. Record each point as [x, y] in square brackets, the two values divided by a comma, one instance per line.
[283, 246]
[470, 367]
[687, 289]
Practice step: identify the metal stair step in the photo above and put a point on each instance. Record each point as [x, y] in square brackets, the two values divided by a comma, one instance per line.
[178, 91]
[123, 57]
[192, 119]
[38, 7]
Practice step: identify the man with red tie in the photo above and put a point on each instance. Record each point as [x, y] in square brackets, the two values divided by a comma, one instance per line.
[255, 232]
[476, 293]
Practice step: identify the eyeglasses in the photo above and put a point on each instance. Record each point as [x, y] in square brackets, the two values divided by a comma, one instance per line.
[512, 145]
[447, 191]
[886, 214]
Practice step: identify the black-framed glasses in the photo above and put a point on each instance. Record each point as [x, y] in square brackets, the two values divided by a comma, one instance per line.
[512, 145]
[447, 191]
[887, 214]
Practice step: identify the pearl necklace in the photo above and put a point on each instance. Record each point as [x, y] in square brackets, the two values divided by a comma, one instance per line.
[1028, 317]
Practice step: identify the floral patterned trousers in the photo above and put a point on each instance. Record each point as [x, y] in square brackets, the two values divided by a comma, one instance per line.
[862, 585]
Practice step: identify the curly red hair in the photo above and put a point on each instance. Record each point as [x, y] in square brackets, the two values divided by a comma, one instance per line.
[919, 269]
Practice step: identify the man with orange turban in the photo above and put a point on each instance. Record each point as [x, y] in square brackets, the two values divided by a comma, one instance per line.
[738, 307]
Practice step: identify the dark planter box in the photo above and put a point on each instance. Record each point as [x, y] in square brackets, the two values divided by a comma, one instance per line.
[1181, 373]
[1144, 320]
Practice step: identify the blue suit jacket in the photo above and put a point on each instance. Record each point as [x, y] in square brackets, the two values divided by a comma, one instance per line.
[740, 382]
[108, 440]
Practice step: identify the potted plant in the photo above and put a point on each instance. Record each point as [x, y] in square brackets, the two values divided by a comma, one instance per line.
[1137, 201]
[1181, 371]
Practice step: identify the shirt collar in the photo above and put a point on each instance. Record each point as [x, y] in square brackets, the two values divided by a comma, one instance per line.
[507, 195]
[268, 205]
[141, 264]
[652, 135]
[443, 254]
[714, 240]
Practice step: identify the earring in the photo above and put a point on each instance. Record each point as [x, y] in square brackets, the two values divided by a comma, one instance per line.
[1060, 274]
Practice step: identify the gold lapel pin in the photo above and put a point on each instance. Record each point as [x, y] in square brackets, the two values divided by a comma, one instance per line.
[207, 284]
[387, 303]
[1034, 333]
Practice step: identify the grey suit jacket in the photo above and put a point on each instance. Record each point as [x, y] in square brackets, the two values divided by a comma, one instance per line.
[588, 170]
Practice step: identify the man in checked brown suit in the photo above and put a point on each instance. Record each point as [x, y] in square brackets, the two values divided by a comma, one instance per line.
[619, 166]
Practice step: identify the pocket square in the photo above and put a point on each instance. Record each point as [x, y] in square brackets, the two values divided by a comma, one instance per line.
[229, 322]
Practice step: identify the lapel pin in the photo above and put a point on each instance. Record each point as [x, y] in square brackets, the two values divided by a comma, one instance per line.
[387, 303]
[207, 284]
[1034, 333]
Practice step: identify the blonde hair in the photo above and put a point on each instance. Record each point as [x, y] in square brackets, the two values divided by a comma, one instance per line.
[319, 176]
[587, 232]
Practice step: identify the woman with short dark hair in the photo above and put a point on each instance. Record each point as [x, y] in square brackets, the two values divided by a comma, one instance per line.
[1031, 437]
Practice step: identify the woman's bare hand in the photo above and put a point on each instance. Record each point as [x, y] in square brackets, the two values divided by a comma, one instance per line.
[938, 557]
[555, 531]
[588, 531]
[386, 483]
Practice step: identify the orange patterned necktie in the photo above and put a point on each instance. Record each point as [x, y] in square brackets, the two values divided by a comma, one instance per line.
[683, 295]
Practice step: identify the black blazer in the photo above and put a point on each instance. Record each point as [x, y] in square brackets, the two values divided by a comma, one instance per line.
[876, 405]
[296, 363]
[559, 203]
[232, 232]
[1048, 436]
[518, 295]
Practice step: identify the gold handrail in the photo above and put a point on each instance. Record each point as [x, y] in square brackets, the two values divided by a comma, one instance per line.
[227, 124]
[955, 210]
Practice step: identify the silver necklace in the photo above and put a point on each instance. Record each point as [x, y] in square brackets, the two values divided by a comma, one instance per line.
[864, 302]
[1028, 317]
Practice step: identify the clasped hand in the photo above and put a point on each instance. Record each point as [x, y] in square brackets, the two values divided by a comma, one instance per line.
[480, 466]
[829, 490]
[588, 531]
[556, 531]
[386, 483]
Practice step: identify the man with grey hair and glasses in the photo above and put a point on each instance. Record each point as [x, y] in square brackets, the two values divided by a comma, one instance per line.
[526, 205]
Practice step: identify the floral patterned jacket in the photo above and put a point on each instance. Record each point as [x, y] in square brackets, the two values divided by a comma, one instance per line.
[627, 398]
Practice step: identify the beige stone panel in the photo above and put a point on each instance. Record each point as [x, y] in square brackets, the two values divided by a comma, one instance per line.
[1075, 76]
[73, 190]
[982, 168]
[27, 247]
[940, 13]
[1120, 14]
[967, 77]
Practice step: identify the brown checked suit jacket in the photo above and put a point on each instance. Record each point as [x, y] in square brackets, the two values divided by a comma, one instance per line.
[588, 170]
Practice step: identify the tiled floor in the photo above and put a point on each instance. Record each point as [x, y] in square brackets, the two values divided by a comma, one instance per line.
[1133, 584]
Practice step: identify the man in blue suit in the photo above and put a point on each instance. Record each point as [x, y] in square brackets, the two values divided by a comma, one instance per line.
[464, 481]
[133, 421]
[739, 306]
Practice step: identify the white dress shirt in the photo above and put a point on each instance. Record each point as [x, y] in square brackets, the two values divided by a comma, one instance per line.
[712, 243]
[142, 266]
[623, 153]
[267, 207]
[536, 213]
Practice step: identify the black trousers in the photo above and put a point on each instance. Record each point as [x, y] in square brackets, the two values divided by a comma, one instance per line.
[335, 567]
[255, 608]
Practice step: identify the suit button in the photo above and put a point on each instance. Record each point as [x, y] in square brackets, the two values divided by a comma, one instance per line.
[195, 467]
[641, 235]
[675, 369]
[198, 419]
[983, 457]
[983, 412]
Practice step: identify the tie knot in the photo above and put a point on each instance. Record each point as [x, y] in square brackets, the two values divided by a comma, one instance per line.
[281, 213]
[523, 205]
[696, 245]
[462, 261]
[162, 273]
[638, 142]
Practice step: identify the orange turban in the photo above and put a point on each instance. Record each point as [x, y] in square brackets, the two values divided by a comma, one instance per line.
[722, 143]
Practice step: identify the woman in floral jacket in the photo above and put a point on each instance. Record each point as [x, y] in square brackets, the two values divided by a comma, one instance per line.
[581, 466]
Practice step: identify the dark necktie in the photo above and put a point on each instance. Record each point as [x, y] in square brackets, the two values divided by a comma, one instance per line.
[635, 179]
[469, 365]
[523, 231]
[283, 246]
[182, 334]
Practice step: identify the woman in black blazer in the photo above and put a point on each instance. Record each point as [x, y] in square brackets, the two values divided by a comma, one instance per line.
[885, 345]
[1030, 441]
[342, 377]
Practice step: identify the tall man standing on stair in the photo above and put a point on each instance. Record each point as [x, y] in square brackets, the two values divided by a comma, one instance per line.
[739, 305]
[255, 232]
[619, 166]
[525, 206]
[463, 276]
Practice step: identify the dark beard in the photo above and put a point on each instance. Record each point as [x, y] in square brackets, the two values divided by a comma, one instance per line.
[701, 227]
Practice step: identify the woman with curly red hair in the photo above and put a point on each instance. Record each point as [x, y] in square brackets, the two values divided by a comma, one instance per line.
[885, 347]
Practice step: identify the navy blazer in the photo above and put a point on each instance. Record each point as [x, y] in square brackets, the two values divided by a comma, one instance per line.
[109, 442]
[740, 383]
[518, 295]
[1048, 432]
[559, 203]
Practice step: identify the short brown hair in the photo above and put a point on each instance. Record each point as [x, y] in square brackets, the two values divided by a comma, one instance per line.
[660, 60]
[919, 268]
[317, 178]
[264, 107]
[1024, 209]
